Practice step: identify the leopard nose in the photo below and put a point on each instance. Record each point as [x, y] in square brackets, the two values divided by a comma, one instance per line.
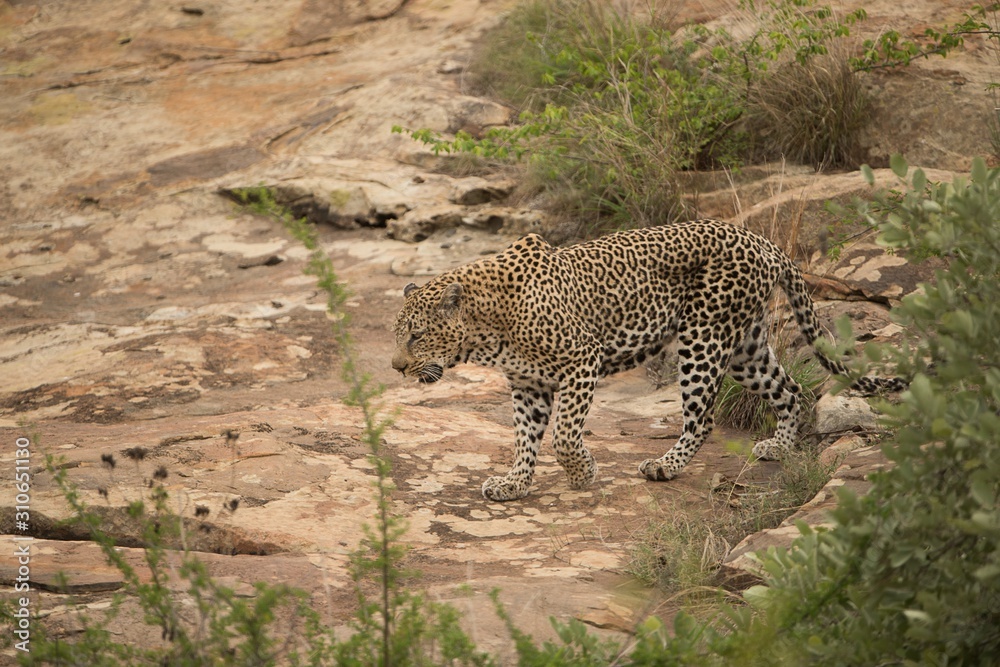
[399, 363]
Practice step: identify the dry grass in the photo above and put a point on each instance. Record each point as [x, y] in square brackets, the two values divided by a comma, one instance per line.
[813, 114]
[681, 548]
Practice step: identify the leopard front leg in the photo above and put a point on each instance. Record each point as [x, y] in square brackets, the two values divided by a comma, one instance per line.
[575, 398]
[698, 423]
[532, 408]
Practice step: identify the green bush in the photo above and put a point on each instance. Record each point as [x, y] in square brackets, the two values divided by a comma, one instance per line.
[931, 559]
[612, 108]
[615, 103]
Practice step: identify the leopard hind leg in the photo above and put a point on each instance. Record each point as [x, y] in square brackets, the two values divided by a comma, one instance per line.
[702, 360]
[756, 367]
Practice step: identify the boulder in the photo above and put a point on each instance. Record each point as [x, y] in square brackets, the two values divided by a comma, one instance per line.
[345, 206]
[473, 190]
[418, 224]
[343, 203]
[506, 220]
[423, 222]
[840, 449]
[875, 274]
[65, 567]
[836, 413]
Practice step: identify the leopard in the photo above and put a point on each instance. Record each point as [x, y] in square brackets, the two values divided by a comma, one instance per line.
[555, 320]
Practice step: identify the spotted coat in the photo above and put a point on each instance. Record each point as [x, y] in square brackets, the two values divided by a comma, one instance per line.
[557, 319]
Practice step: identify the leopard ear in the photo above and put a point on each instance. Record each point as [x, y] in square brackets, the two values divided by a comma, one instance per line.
[409, 288]
[451, 299]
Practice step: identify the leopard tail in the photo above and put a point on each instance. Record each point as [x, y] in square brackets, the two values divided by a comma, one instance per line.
[794, 286]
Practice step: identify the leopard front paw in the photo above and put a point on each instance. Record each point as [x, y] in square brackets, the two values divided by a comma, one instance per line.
[501, 489]
[658, 470]
[584, 475]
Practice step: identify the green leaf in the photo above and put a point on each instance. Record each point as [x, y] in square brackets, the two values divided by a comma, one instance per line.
[652, 624]
[868, 174]
[757, 596]
[982, 490]
[989, 521]
[900, 558]
[987, 572]
[917, 615]
[923, 393]
[898, 164]
[978, 170]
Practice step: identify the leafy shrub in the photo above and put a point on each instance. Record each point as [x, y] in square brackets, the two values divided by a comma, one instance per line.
[612, 108]
[615, 103]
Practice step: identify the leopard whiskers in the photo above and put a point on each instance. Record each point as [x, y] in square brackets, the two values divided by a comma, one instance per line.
[430, 373]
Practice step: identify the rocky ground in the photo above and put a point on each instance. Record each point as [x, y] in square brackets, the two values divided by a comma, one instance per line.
[142, 308]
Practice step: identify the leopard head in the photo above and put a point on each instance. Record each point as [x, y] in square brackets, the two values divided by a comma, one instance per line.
[429, 330]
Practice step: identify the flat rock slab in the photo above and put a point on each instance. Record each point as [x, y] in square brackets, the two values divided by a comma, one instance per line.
[877, 275]
[60, 567]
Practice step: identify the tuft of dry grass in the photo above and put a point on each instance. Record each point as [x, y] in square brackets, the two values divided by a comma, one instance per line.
[814, 114]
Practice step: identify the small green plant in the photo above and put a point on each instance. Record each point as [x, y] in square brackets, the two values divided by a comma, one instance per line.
[604, 133]
[500, 70]
[891, 49]
[190, 635]
[400, 627]
[845, 228]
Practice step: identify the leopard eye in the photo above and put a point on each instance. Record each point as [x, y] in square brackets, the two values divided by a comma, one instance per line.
[416, 335]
